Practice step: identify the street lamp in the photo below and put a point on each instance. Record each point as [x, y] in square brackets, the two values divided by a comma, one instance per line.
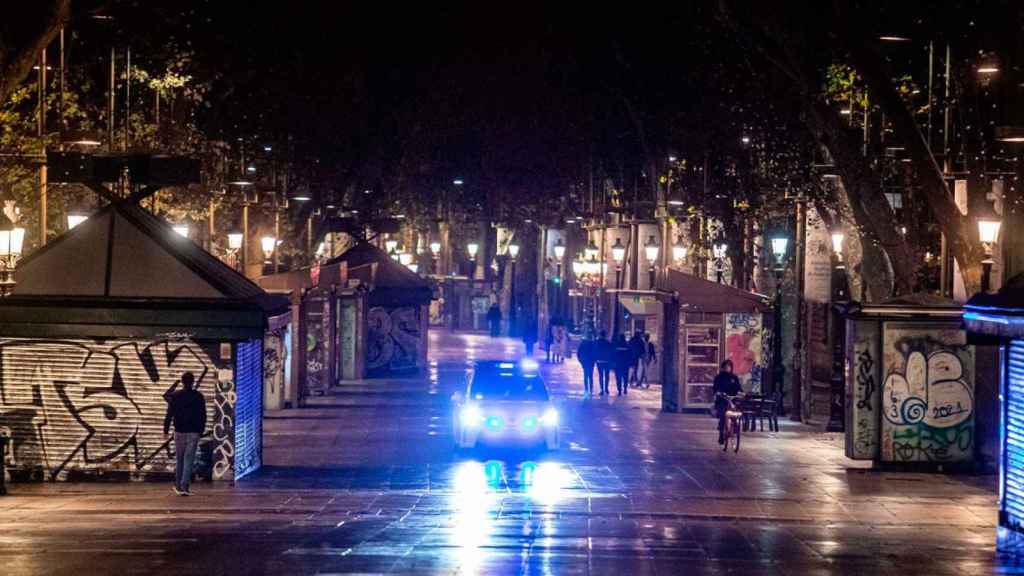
[235, 240]
[513, 251]
[390, 245]
[988, 233]
[651, 250]
[679, 250]
[181, 230]
[618, 255]
[472, 248]
[513, 255]
[837, 245]
[268, 243]
[405, 258]
[837, 383]
[591, 251]
[435, 249]
[779, 249]
[12, 237]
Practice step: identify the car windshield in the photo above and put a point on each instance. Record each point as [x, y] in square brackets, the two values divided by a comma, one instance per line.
[492, 382]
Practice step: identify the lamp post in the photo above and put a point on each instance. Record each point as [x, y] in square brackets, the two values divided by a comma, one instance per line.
[234, 245]
[618, 255]
[679, 251]
[390, 245]
[472, 248]
[559, 256]
[513, 255]
[837, 384]
[779, 249]
[269, 245]
[651, 250]
[988, 233]
[12, 237]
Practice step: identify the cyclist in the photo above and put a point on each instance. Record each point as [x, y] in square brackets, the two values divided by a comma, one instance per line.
[726, 387]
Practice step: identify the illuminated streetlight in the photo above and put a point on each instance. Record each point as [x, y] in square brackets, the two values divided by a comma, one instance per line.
[618, 255]
[181, 230]
[268, 243]
[435, 248]
[405, 258]
[513, 250]
[679, 250]
[591, 251]
[651, 250]
[390, 245]
[12, 239]
[559, 250]
[235, 241]
[779, 246]
[837, 244]
[458, 182]
[472, 248]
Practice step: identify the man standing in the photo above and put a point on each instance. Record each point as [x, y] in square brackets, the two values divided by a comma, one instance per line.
[587, 355]
[605, 358]
[187, 409]
[637, 350]
[623, 360]
[494, 320]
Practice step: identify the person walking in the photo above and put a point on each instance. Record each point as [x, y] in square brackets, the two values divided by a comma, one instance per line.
[623, 360]
[530, 337]
[494, 320]
[637, 351]
[186, 408]
[560, 343]
[604, 358]
[587, 355]
[549, 340]
[649, 358]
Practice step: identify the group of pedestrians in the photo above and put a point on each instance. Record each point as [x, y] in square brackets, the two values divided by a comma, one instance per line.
[627, 359]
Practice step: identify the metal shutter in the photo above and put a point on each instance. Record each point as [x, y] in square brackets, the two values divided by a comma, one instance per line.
[1012, 480]
[248, 407]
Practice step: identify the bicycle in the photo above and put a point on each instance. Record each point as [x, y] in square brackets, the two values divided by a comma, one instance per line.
[729, 422]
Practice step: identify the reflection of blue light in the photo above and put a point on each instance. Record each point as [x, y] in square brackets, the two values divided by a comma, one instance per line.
[508, 365]
[494, 470]
[493, 422]
[526, 473]
[529, 364]
[530, 422]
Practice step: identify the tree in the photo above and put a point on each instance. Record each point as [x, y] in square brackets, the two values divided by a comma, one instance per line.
[23, 34]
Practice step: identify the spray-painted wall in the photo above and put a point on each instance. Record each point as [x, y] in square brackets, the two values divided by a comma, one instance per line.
[395, 340]
[88, 407]
[927, 399]
[745, 347]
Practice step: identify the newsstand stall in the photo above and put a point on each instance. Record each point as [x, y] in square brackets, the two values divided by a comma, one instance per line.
[716, 322]
[103, 321]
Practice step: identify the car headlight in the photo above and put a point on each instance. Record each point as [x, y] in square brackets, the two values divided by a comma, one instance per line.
[550, 418]
[470, 416]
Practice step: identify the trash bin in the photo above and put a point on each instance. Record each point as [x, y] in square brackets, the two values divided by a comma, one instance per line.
[204, 459]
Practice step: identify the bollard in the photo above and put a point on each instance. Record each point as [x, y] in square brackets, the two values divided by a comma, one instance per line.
[3, 458]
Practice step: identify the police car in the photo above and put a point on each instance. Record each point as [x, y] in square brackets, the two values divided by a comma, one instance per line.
[505, 404]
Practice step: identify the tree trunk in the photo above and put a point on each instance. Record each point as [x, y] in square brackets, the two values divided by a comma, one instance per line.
[962, 238]
[23, 35]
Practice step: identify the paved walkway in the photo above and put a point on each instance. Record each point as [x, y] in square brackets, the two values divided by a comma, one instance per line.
[365, 481]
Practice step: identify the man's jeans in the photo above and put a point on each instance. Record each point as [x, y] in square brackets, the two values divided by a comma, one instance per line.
[185, 444]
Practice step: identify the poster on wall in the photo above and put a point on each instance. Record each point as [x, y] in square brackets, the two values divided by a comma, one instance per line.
[743, 345]
[927, 400]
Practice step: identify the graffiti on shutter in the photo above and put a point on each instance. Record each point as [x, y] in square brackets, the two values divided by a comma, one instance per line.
[97, 406]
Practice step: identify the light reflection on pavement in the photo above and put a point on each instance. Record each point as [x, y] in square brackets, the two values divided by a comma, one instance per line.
[366, 481]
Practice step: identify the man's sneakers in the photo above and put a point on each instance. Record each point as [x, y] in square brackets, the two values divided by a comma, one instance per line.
[182, 492]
